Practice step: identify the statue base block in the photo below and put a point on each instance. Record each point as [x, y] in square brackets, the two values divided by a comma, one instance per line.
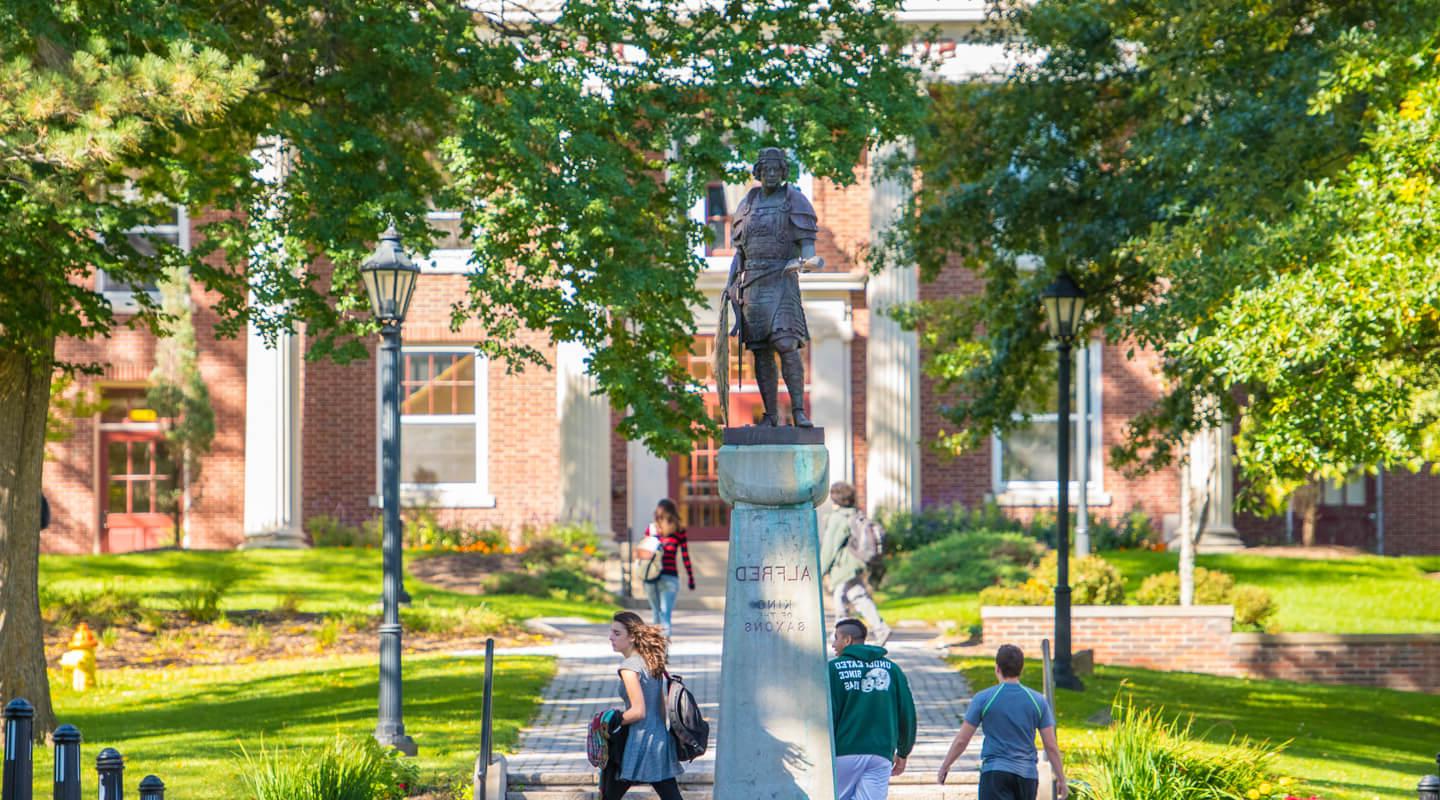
[765, 434]
[775, 740]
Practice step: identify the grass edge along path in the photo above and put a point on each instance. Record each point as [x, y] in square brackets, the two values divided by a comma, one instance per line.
[1367, 594]
[1345, 742]
[188, 725]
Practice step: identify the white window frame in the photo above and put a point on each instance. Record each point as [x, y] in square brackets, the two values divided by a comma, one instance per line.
[1043, 493]
[122, 299]
[446, 260]
[445, 495]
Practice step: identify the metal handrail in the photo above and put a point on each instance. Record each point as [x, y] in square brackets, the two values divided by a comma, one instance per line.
[487, 723]
[1048, 679]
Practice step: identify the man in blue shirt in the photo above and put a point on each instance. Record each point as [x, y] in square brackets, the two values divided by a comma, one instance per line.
[1012, 714]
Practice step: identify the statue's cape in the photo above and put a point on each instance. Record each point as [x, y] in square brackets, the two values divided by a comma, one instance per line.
[802, 213]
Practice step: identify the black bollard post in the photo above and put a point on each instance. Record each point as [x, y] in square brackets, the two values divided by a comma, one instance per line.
[152, 788]
[67, 763]
[19, 750]
[1429, 788]
[112, 774]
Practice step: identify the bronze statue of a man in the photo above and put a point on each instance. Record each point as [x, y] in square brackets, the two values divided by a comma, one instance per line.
[773, 232]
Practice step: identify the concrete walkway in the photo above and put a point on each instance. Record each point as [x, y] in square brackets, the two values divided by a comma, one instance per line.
[552, 748]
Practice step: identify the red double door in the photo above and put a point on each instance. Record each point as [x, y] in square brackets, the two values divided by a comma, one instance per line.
[139, 502]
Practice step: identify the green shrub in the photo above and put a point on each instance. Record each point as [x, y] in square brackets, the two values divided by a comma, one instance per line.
[288, 604]
[1253, 607]
[327, 531]
[1093, 580]
[907, 531]
[475, 620]
[516, 583]
[424, 618]
[1160, 589]
[479, 620]
[575, 584]
[327, 634]
[348, 769]
[103, 607]
[257, 637]
[1144, 757]
[1029, 593]
[1135, 531]
[352, 618]
[963, 562]
[201, 602]
[1212, 587]
[569, 545]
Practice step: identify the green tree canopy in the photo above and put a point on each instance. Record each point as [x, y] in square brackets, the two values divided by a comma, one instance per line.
[1244, 186]
[571, 140]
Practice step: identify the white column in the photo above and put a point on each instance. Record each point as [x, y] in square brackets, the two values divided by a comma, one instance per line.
[1218, 534]
[649, 479]
[272, 420]
[829, 397]
[1210, 510]
[584, 420]
[892, 373]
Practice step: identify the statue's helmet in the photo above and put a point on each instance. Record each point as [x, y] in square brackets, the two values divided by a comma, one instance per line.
[771, 155]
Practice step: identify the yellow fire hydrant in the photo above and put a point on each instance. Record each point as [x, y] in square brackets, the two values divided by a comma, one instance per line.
[78, 663]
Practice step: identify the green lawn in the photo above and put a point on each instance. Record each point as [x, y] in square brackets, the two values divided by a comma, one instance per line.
[1370, 594]
[323, 579]
[188, 725]
[1347, 743]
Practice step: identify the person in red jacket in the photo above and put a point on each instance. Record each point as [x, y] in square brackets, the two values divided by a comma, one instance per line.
[663, 587]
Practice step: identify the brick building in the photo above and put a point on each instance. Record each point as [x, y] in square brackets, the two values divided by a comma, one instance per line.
[299, 439]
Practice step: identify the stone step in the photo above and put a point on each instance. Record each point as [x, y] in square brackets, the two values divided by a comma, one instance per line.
[912, 777]
[967, 791]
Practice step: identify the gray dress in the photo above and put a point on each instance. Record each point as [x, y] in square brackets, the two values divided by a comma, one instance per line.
[649, 750]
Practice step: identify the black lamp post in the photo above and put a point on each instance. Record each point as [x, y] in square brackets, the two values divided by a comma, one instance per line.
[1064, 303]
[390, 278]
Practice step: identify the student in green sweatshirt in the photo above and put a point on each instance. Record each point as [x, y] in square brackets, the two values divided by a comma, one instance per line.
[874, 715]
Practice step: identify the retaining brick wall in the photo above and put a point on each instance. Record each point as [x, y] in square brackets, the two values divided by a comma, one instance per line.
[1395, 661]
[1199, 639]
[1188, 639]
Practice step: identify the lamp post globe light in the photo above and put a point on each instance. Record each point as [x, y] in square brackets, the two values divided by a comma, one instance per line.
[390, 278]
[1064, 302]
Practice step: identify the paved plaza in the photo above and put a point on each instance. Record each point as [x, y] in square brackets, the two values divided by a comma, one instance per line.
[551, 753]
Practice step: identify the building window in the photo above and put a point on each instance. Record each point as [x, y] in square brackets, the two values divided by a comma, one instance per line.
[721, 200]
[1024, 461]
[717, 206]
[173, 230]
[1350, 492]
[443, 427]
[453, 248]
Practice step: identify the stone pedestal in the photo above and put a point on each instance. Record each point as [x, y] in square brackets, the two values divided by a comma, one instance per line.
[775, 740]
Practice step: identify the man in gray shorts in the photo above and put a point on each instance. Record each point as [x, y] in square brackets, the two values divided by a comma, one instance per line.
[1012, 715]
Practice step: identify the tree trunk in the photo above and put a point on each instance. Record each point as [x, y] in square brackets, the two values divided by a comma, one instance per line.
[24, 401]
[1307, 505]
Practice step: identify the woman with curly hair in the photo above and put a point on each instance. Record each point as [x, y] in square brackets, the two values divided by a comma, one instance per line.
[648, 753]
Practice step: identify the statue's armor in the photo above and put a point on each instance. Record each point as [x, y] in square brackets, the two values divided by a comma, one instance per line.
[767, 231]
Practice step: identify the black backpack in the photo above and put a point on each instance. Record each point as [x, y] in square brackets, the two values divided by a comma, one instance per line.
[683, 718]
